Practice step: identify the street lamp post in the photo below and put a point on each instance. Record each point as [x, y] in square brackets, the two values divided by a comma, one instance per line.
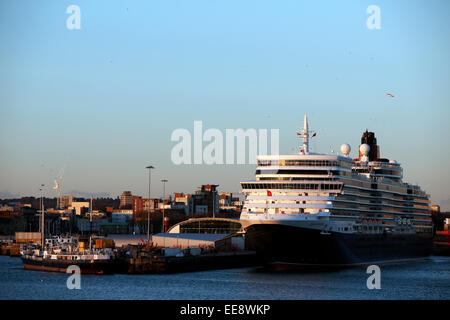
[148, 207]
[214, 200]
[214, 204]
[42, 216]
[163, 229]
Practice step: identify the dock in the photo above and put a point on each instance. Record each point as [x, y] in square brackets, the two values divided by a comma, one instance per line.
[441, 243]
[157, 264]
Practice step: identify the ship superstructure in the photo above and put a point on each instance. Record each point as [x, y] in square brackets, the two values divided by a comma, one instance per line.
[330, 209]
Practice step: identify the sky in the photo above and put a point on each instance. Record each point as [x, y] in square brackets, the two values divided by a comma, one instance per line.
[104, 100]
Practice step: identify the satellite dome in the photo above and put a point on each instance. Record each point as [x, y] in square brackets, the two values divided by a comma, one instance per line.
[364, 149]
[345, 149]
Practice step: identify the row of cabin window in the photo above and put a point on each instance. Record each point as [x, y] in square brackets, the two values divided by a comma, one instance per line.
[313, 186]
[309, 163]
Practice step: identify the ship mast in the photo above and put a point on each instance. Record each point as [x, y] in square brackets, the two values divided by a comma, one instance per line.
[43, 225]
[305, 149]
[42, 219]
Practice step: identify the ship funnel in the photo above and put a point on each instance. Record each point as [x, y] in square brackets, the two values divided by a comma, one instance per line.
[374, 150]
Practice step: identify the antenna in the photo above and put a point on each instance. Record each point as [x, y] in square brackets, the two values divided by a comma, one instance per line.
[305, 135]
[305, 132]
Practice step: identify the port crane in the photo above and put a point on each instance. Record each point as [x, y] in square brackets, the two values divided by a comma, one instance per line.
[57, 186]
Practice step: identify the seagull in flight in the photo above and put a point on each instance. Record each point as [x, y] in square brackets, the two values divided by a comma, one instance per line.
[389, 95]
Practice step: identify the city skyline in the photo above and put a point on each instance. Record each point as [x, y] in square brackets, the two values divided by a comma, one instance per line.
[104, 99]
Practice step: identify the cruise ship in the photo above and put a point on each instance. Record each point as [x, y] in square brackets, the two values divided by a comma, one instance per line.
[311, 209]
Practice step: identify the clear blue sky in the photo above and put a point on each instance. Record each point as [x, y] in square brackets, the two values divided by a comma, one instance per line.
[105, 99]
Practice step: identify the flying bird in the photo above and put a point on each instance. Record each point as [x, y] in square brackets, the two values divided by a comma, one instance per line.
[389, 95]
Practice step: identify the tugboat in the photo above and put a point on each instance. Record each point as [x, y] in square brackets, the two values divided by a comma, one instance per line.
[61, 252]
[57, 253]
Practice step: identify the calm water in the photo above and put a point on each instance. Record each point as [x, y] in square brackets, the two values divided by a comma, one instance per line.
[419, 280]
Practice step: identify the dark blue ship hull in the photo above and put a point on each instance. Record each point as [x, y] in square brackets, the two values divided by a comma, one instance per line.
[286, 246]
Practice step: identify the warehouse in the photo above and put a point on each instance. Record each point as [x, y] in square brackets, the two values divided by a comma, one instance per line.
[207, 225]
[221, 242]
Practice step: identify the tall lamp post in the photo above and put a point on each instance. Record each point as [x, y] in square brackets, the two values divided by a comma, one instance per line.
[42, 217]
[214, 200]
[148, 207]
[163, 229]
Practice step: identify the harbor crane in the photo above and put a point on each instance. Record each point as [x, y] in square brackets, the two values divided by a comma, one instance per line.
[57, 186]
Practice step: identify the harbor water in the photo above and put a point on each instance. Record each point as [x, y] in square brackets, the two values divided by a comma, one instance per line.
[429, 279]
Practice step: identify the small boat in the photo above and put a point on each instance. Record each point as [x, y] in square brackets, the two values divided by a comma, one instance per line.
[61, 252]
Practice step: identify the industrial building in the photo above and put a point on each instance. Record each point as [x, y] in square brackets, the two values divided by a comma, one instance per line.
[220, 242]
[219, 233]
[207, 225]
